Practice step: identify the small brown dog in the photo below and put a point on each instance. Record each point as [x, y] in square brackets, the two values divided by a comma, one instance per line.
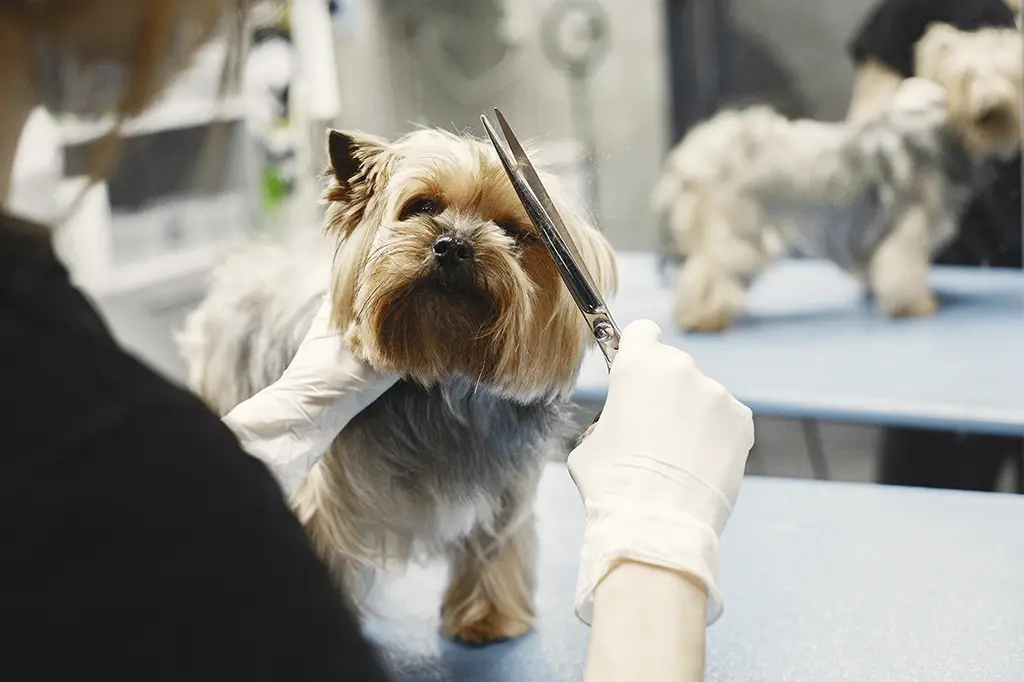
[439, 277]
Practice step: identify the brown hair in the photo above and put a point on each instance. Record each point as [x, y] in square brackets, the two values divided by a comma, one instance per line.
[156, 39]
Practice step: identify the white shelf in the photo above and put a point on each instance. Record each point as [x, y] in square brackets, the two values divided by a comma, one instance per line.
[176, 114]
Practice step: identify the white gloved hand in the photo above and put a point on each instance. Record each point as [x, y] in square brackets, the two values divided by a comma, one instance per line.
[660, 471]
[291, 423]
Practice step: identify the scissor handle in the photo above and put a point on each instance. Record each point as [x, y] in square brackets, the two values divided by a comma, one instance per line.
[606, 333]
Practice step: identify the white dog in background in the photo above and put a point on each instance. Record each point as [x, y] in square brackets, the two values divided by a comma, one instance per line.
[878, 198]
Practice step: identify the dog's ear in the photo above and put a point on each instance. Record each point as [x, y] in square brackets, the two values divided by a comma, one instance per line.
[939, 38]
[359, 166]
[352, 156]
[933, 51]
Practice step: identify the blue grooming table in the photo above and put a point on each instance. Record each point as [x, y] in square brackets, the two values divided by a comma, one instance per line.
[811, 346]
[822, 581]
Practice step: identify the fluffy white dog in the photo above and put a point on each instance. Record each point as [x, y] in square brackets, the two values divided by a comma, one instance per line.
[879, 198]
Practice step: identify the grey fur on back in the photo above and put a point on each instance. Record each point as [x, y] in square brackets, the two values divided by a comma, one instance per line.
[899, 168]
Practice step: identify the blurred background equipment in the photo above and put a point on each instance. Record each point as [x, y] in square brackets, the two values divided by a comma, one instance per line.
[575, 35]
[390, 53]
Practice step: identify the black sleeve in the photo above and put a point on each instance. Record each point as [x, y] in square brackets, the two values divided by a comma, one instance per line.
[159, 550]
[891, 29]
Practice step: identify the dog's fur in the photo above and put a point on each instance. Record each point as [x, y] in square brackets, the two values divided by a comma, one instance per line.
[879, 198]
[447, 461]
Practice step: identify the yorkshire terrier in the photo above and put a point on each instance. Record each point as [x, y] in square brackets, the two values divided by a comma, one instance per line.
[438, 277]
[879, 198]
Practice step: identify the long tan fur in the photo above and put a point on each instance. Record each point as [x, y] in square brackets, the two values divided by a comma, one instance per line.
[447, 462]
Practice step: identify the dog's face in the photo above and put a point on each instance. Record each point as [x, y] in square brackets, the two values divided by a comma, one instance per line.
[982, 72]
[440, 272]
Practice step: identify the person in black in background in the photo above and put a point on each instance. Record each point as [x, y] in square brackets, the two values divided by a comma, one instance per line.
[989, 236]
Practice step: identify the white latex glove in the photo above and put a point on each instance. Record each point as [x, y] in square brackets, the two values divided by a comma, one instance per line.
[291, 423]
[660, 471]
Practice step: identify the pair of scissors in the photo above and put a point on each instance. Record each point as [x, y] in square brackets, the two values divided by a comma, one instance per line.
[555, 237]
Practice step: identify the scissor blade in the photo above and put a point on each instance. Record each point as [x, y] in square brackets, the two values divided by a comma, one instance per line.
[533, 180]
[574, 275]
[552, 229]
[538, 216]
[570, 267]
[525, 193]
[506, 159]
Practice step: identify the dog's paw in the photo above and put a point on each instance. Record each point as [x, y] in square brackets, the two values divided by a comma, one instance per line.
[490, 627]
[705, 317]
[922, 306]
[711, 323]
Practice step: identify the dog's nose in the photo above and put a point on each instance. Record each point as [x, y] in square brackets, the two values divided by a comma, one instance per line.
[451, 252]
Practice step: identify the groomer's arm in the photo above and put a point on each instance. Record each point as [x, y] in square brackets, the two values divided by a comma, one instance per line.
[648, 625]
[659, 475]
[873, 87]
[882, 48]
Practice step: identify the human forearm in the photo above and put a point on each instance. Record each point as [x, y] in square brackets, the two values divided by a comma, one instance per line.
[648, 625]
[874, 84]
[659, 475]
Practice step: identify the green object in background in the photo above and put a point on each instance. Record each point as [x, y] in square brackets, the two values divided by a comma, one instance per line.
[273, 189]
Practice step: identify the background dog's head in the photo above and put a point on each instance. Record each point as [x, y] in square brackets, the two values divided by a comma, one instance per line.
[982, 74]
[440, 272]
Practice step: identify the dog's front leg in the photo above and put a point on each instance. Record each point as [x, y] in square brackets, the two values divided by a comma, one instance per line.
[898, 272]
[708, 296]
[491, 575]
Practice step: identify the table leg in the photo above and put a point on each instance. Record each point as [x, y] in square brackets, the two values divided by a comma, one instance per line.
[815, 449]
[756, 465]
[1020, 473]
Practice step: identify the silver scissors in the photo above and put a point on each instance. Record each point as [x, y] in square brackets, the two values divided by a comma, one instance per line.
[555, 237]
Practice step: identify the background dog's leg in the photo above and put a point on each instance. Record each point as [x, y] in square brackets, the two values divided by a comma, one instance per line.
[898, 272]
[707, 296]
[491, 580]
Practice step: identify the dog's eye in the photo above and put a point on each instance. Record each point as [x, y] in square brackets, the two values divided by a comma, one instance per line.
[420, 207]
[515, 230]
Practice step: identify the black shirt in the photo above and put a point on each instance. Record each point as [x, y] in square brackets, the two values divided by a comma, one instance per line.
[139, 541]
[990, 228]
